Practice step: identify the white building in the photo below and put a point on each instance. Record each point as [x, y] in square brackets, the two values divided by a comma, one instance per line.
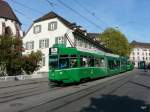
[9, 22]
[140, 52]
[52, 28]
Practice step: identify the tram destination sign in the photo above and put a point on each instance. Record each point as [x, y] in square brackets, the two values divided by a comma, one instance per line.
[54, 51]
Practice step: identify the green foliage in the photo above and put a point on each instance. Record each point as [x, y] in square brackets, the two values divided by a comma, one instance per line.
[116, 41]
[31, 62]
[11, 60]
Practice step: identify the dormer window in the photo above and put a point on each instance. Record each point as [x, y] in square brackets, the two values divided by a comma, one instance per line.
[52, 26]
[37, 29]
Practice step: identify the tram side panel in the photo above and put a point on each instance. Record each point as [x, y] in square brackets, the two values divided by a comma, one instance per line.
[113, 66]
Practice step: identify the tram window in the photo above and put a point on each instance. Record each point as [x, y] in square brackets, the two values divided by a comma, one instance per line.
[53, 62]
[83, 62]
[102, 62]
[117, 63]
[123, 62]
[91, 62]
[110, 64]
[64, 62]
[97, 63]
[73, 61]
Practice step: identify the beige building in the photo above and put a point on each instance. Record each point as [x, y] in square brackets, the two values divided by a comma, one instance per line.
[140, 52]
[50, 29]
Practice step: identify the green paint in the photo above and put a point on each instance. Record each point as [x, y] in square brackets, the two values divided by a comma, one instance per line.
[63, 71]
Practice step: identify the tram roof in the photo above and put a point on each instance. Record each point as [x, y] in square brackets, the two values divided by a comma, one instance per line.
[96, 52]
[75, 51]
[112, 55]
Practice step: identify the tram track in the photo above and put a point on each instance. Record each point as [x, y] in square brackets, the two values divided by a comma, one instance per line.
[25, 94]
[22, 93]
[89, 92]
[22, 84]
[70, 99]
[21, 88]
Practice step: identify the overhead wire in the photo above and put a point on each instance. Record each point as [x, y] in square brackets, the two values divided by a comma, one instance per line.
[27, 17]
[51, 3]
[23, 5]
[90, 12]
[79, 14]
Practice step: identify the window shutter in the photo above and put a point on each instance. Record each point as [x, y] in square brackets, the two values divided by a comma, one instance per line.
[27, 45]
[33, 45]
[52, 26]
[3, 28]
[39, 43]
[47, 43]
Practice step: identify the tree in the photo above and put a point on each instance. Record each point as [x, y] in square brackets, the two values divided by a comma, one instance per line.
[116, 41]
[31, 62]
[12, 62]
[11, 53]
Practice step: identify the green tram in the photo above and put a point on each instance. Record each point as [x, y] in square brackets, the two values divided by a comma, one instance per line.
[70, 65]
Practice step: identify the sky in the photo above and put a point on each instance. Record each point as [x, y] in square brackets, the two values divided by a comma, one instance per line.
[132, 17]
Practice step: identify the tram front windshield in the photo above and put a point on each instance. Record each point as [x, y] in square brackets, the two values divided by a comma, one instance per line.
[53, 61]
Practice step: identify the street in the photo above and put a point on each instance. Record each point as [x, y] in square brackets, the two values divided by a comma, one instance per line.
[127, 92]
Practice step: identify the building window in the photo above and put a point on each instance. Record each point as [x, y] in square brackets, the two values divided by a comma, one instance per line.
[80, 43]
[8, 31]
[43, 61]
[60, 40]
[133, 53]
[37, 29]
[90, 45]
[44, 43]
[29, 45]
[52, 26]
[143, 58]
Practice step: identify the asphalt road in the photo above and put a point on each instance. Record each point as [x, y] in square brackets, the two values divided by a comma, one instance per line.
[127, 92]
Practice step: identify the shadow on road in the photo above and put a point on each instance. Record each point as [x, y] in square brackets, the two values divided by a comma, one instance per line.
[113, 103]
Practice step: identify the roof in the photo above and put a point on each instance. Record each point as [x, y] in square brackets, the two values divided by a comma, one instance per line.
[93, 35]
[7, 12]
[140, 44]
[52, 15]
[95, 42]
[77, 29]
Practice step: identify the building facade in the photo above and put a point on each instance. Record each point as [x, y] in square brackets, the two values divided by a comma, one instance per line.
[53, 29]
[140, 52]
[9, 23]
